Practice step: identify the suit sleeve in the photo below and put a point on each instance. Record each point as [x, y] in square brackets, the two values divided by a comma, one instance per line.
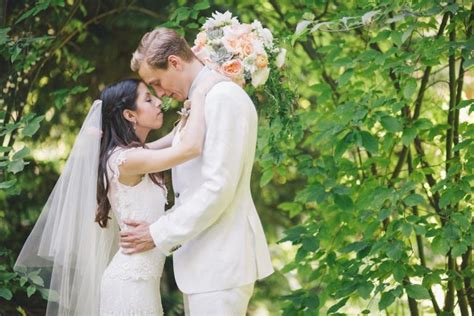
[223, 155]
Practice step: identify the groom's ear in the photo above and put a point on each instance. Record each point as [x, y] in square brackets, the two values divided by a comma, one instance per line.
[176, 62]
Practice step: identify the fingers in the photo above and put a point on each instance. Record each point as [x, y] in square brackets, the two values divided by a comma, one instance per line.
[128, 239]
[133, 223]
[128, 245]
[135, 248]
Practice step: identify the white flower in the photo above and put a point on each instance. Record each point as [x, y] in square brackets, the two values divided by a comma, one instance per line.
[369, 16]
[260, 77]
[220, 19]
[267, 37]
[280, 59]
[258, 47]
[249, 63]
[319, 25]
[301, 27]
[257, 25]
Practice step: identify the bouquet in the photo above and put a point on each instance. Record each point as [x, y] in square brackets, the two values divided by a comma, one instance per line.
[240, 51]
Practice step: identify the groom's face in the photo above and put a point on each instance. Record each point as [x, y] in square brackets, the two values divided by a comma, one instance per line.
[166, 82]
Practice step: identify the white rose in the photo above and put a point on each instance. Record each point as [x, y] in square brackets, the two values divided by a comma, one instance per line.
[280, 59]
[267, 37]
[260, 77]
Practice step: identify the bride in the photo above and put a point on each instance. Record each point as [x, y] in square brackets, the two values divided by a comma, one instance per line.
[111, 175]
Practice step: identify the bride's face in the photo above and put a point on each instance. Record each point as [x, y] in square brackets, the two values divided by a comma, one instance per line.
[148, 114]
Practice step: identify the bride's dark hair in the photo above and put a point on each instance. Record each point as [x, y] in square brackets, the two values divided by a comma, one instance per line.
[117, 132]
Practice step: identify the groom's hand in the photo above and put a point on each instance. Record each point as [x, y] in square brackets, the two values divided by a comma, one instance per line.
[137, 238]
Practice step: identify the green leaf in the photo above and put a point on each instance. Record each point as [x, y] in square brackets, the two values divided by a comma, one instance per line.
[202, 5]
[23, 280]
[30, 290]
[468, 63]
[344, 202]
[414, 199]
[5, 149]
[395, 252]
[32, 126]
[409, 135]
[6, 276]
[406, 229]
[391, 124]
[355, 246]
[409, 88]
[387, 299]
[266, 177]
[7, 184]
[310, 244]
[16, 166]
[422, 124]
[311, 302]
[346, 76]
[21, 153]
[369, 142]
[365, 289]
[4, 35]
[417, 292]
[293, 208]
[399, 273]
[6, 294]
[338, 305]
[459, 249]
[397, 38]
[37, 280]
[384, 213]
[440, 245]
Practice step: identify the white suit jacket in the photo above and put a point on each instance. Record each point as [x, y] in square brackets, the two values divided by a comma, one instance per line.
[214, 231]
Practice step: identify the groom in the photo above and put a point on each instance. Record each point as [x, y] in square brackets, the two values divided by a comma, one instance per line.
[213, 230]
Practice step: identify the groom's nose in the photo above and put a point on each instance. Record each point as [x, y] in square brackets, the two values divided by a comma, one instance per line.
[159, 91]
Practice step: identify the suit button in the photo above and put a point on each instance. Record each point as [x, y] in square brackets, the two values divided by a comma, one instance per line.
[176, 195]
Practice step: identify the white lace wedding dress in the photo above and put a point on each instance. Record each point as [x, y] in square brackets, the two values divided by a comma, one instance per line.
[131, 283]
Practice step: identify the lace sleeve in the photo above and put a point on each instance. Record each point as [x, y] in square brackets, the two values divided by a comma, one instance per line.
[118, 157]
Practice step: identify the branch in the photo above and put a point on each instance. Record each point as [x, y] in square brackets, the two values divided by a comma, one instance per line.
[309, 48]
[419, 241]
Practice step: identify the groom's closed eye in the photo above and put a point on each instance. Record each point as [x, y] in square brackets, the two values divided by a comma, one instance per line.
[151, 91]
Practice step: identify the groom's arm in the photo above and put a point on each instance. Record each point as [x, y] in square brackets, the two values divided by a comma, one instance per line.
[223, 152]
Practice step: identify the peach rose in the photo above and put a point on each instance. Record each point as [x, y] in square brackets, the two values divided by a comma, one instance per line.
[202, 53]
[233, 68]
[261, 61]
[201, 39]
[246, 48]
[232, 44]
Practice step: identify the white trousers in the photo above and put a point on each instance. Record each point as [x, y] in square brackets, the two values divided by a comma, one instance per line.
[230, 302]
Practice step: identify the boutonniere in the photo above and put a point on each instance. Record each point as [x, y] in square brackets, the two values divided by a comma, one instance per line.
[185, 110]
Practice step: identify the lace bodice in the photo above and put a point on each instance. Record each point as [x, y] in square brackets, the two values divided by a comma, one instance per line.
[143, 202]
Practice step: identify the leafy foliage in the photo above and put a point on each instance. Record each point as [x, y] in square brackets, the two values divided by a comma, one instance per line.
[367, 185]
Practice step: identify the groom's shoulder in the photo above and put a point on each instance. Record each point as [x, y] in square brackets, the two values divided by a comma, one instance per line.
[226, 89]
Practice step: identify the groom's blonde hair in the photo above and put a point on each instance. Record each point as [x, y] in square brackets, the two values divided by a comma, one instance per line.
[156, 46]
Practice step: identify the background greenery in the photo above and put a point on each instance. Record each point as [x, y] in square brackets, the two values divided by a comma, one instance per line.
[365, 199]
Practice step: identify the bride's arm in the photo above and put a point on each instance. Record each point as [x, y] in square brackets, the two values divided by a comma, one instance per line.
[162, 142]
[142, 161]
